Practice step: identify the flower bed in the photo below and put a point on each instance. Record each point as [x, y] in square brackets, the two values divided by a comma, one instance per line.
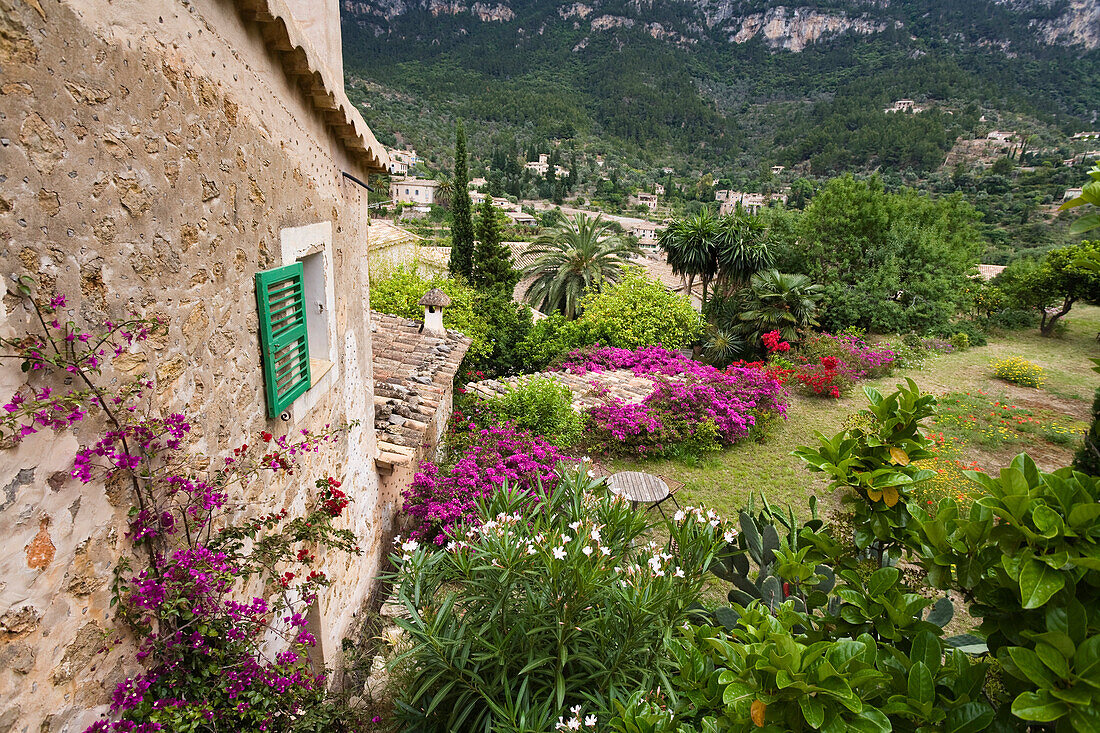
[441, 498]
[650, 360]
[705, 409]
[824, 364]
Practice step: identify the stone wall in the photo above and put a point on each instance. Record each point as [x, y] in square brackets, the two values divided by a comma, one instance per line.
[151, 155]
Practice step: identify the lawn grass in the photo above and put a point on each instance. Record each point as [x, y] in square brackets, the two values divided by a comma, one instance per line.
[725, 481]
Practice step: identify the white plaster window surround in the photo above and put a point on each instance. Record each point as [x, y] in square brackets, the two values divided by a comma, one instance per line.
[312, 246]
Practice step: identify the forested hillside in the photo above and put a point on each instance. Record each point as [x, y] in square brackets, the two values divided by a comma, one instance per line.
[734, 85]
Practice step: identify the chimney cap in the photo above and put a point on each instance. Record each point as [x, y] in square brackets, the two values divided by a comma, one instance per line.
[435, 298]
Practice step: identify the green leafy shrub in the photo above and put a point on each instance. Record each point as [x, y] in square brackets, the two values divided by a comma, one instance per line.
[873, 462]
[548, 604]
[1019, 371]
[630, 314]
[973, 332]
[960, 340]
[638, 311]
[494, 323]
[542, 406]
[1028, 556]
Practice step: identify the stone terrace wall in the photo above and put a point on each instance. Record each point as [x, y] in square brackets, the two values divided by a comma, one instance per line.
[150, 155]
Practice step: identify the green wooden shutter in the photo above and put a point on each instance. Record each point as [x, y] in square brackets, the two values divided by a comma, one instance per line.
[281, 304]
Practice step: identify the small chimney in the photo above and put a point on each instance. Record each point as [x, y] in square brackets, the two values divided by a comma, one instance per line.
[434, 301]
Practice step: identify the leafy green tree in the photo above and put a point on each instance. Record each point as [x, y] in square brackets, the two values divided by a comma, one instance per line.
[782, 239]
[462, 230]
[802, 190]
[783, 302]
[579, 256]
[492, 261]
[638, 311]
[1055, 284]
[888, 262]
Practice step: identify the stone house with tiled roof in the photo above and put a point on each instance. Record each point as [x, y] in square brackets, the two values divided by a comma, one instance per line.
[178, 159]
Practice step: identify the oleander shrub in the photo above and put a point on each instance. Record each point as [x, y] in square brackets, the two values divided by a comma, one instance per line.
[551, 601]
[1018, 370]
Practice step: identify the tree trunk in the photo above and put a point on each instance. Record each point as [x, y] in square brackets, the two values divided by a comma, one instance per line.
[1046, 325]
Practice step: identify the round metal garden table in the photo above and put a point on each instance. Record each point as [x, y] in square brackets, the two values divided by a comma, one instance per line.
[641, 488]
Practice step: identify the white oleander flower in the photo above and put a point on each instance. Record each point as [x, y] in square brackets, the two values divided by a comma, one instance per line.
[586, 550]
[559, 553]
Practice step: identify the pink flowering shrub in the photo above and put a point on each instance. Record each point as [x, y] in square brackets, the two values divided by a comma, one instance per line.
[650, 360]
[205, 647]
[627, 428]
[693, 406]
[862, 360]
[442, 498]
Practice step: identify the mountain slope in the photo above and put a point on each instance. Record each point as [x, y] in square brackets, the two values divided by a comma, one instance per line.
[731, 83]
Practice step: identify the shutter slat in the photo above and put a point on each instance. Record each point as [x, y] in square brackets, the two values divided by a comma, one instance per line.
[284, 348]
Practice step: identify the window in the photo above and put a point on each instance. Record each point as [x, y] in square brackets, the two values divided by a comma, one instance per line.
[296, 303]
[284, 350]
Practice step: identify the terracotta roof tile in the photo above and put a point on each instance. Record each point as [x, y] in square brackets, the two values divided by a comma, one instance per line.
[412, 372]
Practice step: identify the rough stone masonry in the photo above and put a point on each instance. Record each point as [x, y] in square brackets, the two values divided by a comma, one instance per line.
[154, 155]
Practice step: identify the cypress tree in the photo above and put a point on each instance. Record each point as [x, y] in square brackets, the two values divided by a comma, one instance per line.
[492, 260]
[462, 230]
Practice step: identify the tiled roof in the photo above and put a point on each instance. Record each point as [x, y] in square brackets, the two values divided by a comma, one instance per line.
[587, 389]
[413, 372]
[988, 272]
[384, 233]
[520, 259]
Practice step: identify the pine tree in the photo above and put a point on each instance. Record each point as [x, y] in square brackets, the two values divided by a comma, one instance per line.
[492, 261]
[462, 230]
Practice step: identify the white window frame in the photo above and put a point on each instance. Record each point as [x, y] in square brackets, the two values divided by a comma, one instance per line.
[297, 243]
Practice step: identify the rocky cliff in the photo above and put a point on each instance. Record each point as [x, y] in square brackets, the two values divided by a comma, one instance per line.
[1074, 23]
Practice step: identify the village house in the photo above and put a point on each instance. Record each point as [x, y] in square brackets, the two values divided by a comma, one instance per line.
[540, 166]
[193, 162]
[397, 168]
[777, 169]
[904, 105]
[1092, 135]
[521, 218]
[750, 202]
[648, 200]
[415, 191]
[646, 233]
[1001, 136]
[658, 189]
[407, 157]
[478, 183]
[1071, 193]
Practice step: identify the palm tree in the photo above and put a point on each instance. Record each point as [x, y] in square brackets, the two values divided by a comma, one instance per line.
[777, 301]
[742, 251]
[445, 191]
[576, 257]
[690, 244]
